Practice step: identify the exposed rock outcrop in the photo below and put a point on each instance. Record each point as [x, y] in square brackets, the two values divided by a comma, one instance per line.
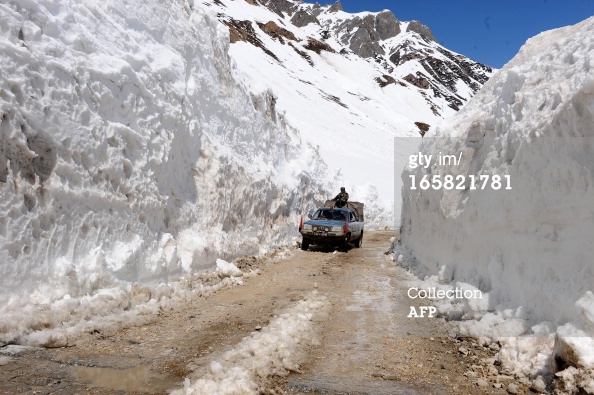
[399, 59]
[423, 30]
[280, 6]
[318, 46]
[365, 43]
[303, 18]
[363, 35]
[419, 81]
[387, 25]
[335, 7]
[423, 128]
[277, 32]
[385, 80]
[244, 31]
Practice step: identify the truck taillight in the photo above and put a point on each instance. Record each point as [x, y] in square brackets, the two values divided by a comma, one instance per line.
[301, 223]
[345, 228]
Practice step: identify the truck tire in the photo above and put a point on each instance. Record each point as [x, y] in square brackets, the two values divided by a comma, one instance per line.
[359, 241]
[344, 246]
[305, 244]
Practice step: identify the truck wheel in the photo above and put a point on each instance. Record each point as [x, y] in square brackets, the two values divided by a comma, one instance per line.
[305, 244]
[359, 241]
[345, 244]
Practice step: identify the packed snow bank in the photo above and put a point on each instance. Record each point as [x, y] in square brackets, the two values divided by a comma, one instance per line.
[61, 323]
[529, 246]
[275, 350]
[129, 154]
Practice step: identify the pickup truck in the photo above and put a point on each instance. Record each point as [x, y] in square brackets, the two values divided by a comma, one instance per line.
[330, 226]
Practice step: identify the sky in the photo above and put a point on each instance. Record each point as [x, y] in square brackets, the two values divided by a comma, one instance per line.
[490, 32]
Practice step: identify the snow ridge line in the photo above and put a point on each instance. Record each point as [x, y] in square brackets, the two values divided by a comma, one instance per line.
[276, 350]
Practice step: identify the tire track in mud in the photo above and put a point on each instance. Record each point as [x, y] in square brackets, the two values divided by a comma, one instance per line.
[370, 346]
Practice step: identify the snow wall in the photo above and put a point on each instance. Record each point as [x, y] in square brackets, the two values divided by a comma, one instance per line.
[530, 246]
[128, 152]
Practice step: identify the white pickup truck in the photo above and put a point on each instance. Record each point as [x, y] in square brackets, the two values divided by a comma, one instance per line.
[330, 226]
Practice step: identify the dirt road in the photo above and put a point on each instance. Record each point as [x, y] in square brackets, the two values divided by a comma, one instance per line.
[368, 345]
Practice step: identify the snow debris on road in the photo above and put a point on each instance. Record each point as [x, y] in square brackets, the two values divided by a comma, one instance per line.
[62, 322]
[529, 247]
[275, 350]
[227, 269]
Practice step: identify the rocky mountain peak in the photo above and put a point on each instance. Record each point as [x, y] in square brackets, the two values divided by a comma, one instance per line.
[419, 28]
[387, 25]
[336, 7]
[363, 34]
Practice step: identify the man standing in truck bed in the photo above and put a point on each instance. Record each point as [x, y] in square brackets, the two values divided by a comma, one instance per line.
[342, 198]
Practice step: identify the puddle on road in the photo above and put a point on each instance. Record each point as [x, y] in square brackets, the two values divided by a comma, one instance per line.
[320, 385]
[137, 379]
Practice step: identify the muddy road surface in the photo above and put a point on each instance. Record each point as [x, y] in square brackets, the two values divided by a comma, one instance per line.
[367, 345]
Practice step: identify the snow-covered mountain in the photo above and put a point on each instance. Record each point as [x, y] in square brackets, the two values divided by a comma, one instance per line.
[403, 53]
[349, 83]
[529, 246]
